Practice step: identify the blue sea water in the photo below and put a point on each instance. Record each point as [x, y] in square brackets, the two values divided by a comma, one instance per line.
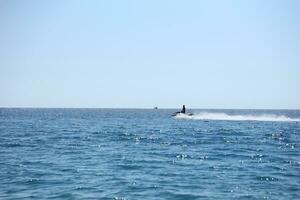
[147, 154]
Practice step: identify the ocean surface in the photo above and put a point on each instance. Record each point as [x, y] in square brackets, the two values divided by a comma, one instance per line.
[147, 154]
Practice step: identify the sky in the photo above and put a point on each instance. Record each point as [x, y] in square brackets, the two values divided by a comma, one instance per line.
[141, 54]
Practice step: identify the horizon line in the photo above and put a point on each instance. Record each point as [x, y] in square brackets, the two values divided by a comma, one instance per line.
[141, 108]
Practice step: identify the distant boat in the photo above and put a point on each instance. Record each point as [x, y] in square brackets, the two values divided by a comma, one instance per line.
[155, 108]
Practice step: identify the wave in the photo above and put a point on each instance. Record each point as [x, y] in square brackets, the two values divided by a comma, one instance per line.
[228, 117]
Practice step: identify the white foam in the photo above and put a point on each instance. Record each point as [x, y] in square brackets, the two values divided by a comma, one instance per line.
[224, 116]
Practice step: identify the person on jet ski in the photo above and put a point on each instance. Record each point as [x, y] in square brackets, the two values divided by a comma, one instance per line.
[183, 109]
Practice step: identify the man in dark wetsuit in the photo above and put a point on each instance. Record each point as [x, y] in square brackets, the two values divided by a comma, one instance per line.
[183, 109]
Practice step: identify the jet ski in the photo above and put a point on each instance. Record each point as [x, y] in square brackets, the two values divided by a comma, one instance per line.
[182, 112]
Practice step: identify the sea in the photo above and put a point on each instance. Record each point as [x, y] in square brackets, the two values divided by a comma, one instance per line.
[149, 154]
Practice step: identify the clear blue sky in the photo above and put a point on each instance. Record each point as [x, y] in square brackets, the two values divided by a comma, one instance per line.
[205, 54]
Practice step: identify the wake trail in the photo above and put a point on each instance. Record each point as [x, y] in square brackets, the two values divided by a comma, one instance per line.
[229, 117]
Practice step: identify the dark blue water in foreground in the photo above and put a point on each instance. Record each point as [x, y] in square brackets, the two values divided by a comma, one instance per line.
[146, 154]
